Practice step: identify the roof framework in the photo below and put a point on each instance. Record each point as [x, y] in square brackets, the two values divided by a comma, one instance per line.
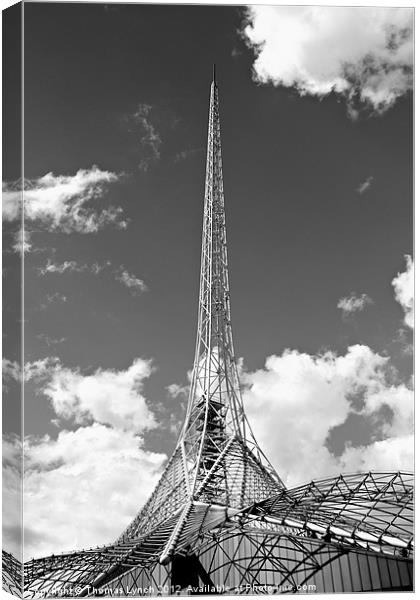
[369, 514]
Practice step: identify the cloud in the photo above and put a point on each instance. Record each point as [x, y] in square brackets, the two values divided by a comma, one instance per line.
[71, 266]
[150, 139]
[306, 397]
[106, 396]
[11, 373]
[12, 199]
[121, 274]
[404, 339]
[12, 494]
[10, 370]
[178, 391]
[84, 472]
[51, 299]
[365, 185]
[133, 283]
[56, 297]
[50, 341]
[354, 303]
[184, 154]
[364, 54]
[67, 265]
[22, 242]
[385, 455]
[65, 203]
[83, 488]
[97, 268]
[39, 370]
[403, 285]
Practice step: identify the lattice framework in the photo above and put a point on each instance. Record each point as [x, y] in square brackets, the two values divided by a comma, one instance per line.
[324, 520]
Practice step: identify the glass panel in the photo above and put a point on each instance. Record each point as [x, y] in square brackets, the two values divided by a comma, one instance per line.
[383, 573]
[336, 573]
[319, 582]
[345, 573]
[374, 572]
[354, 571]
[394, 573]
[404, 574]
[328, 580]
[364, 572]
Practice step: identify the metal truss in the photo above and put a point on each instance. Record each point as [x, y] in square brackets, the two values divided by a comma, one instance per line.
[372, 510]
[283, 541]
[12, 574]
[264, 562]
[217, 459]
[220, 519]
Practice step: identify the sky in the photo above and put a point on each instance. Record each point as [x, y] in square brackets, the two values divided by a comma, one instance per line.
[317, 121]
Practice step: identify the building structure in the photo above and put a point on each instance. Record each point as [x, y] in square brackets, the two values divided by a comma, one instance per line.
[220, 519]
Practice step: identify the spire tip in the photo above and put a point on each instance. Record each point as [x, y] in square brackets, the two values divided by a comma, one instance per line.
[214, 72]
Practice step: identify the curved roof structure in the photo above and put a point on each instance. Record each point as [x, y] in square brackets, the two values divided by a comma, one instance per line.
[371, 510]
[361, 511]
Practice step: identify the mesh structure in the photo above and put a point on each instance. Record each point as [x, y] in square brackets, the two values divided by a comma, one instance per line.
[349, 533]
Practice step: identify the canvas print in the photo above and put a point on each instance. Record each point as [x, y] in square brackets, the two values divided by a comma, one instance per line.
[208, 299]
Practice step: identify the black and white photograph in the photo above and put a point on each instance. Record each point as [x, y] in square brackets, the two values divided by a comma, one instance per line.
[208, 312]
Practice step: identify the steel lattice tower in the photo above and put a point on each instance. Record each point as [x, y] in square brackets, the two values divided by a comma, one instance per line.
[220, 519]
[216, 459]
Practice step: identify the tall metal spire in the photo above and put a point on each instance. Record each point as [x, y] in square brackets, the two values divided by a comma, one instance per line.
[217, 459]
[215, 395]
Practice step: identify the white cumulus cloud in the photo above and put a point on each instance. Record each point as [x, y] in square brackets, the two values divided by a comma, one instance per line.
[41, 369]
[12, 200]
[106, 396]
[133, 283]
[22, 241]
[393, 453]
[354, 303]
[66, 203]
[296, 400]
[175, 390]
[364, 54]
[60, 268]
[403, 285]
[83, 488]
[12, 494]
[10, 370]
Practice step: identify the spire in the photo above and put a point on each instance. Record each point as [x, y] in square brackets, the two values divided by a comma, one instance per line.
[214, 73]
[216, 460]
